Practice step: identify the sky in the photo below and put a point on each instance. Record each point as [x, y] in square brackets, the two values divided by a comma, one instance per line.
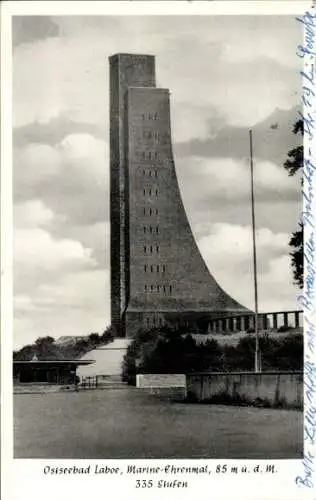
[226, 74]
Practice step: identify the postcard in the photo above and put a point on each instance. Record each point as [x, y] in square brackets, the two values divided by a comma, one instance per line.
[158, 250]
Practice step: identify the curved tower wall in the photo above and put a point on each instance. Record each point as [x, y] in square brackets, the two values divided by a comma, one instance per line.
[163, 275]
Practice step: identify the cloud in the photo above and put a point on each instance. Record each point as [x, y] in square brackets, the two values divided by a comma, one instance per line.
[75, 304]
[225, 181]
[227, 249]
[28, 29]
[95, 236]
[219, 190]
[72, 178]
[59, 285]
[77, 84]
[223, 140]
[33, 213]
[34, 169]
[52, 132]
[38, 257]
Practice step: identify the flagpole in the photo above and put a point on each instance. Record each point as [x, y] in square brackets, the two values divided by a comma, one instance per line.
[254, 254]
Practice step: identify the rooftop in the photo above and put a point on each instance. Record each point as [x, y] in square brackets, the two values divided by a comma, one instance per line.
[56, 362]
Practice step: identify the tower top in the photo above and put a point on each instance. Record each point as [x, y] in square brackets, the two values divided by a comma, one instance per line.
[130, 55]
[128, 70]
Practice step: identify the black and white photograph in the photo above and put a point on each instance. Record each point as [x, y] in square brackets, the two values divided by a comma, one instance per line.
[158, 244]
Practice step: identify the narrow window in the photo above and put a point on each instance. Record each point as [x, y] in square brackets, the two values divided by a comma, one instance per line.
[144, 211]
[150, 192]
[158, 288]
[151, 249]
[157, 268]
[155, 116]
[156, 173]
[145, 288]
[163, 268]
[150, 229]
[149, 173]
[164, 289]
[144, 191]
[154, 320]
[150, 211]
[147, 319]
[157, 230]
[144, 172]
[151, 268]
[144, 248]
[156, 192]
[144, 229]
[170, 288]
[145, 268]
[152, 288]
[157, 248]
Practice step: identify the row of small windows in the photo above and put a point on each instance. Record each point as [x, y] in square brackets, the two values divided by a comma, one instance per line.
[150, 116]
[150, 173]
[158, 288]
[159, 268]
[150, 192]
[151, 248]
[150, 211]
[149, 155]
[151, 134]
[151, 230]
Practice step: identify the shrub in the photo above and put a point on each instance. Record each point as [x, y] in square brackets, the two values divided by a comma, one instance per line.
[284, 328]
[166, 351]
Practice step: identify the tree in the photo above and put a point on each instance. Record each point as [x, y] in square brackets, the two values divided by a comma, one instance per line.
[45, 348]
[26, 353]
[44, 341]
[94, 338]
[297, 256]
[107, 336]
[294, 164]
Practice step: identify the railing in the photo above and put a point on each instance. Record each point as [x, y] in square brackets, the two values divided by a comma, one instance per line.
[100, 382]
[89, 382]
[266, 321]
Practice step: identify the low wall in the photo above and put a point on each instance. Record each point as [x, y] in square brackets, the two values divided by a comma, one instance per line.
[171, 386]
[274, 389]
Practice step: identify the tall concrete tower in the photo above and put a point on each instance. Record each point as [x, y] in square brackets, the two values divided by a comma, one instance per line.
[157, 272]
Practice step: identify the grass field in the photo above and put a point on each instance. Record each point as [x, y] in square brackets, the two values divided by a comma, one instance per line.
[125, 423]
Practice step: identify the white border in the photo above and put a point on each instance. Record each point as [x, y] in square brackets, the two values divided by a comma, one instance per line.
[24, 478]
[166, 7]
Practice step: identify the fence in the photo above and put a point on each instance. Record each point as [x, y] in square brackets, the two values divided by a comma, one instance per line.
[101, 382]
[89, 382]
[267, 321]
